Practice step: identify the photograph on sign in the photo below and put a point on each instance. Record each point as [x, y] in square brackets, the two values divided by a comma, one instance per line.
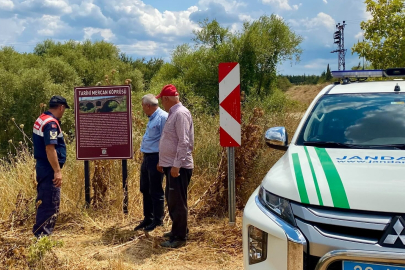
[103, 104]
[103, 122]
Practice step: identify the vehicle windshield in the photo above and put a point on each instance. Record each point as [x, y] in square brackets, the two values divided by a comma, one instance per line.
[364, 120]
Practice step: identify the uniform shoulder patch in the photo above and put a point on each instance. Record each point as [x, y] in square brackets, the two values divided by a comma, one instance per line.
[53, 135]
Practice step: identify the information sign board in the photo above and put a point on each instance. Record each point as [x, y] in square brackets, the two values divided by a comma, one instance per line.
[103, 122]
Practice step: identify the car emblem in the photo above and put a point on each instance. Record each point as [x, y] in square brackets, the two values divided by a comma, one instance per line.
[394, 235]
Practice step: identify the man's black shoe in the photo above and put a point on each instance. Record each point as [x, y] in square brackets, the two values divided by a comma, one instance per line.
[152, 226]
[143, 224]
[173, 243]
[170, 235]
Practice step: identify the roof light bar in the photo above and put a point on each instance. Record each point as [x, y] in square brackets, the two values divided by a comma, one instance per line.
[395, 72]
[377, 73]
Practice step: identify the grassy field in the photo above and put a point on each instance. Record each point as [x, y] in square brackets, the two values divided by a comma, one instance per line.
[101, 237]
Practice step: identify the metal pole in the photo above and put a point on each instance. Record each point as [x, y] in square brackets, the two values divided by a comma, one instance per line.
[124, 185]
[231, 185]
[87, 182]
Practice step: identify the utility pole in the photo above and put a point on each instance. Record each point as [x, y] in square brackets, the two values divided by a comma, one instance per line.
[339, 40]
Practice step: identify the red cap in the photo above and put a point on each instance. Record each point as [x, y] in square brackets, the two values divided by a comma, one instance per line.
[168, 91]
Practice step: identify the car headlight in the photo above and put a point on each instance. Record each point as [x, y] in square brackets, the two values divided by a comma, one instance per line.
[277, 205]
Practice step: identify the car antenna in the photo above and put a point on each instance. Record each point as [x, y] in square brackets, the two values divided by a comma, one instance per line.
[397, 88]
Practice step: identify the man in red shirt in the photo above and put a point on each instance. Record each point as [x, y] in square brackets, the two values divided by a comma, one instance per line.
[176, 161]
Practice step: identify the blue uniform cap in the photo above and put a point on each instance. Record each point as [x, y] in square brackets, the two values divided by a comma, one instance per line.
[58, 100]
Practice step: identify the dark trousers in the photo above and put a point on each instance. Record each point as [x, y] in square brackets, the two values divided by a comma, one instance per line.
[151, 188]
[176, 197]
[48, 198]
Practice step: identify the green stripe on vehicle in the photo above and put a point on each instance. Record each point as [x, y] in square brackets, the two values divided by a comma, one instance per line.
[336, 187]
[318, 192]
[300, 179]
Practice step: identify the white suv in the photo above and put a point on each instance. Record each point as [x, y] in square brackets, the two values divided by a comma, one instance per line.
[336, 198]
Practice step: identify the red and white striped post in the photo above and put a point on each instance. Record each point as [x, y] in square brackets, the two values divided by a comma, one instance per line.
[230, 120]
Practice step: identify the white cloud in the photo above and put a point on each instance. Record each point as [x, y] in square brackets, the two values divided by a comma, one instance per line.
[294, 23]
[229, 6]
[91, 12]
[86, 8]
[244, 17]
[58, 4]
[296, 7]
[49, 25]
[359, 35]
[107, 34]
[318, 64]
[10, 33]
[325, 1]
[283, 4]
[235, 27]
[366, 15]
[176, 23]
[6, 4]
[155, 22]
[321, 20]
[146, 48]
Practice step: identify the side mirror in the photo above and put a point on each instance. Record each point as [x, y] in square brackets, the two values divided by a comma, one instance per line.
[277, 138]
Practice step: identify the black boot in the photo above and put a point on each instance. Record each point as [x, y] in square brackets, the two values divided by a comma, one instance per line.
[170, 235]
[152, 226]
[174, 243]
[143, 224]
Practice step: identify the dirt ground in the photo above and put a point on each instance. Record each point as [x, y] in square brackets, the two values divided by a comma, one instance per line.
[207, 248]
[212, 244]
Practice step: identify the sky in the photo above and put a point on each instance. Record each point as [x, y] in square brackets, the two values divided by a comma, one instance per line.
[153, 28]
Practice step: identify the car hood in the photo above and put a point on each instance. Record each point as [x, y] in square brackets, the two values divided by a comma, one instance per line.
[361, 179]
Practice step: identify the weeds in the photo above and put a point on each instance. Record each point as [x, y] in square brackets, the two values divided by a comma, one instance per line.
[39, 247]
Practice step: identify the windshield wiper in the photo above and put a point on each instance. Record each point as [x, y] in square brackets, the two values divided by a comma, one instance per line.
[331, 145]
[389, 146]
[344, 145]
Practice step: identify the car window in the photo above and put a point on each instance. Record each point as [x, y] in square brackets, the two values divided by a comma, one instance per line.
[361, 119]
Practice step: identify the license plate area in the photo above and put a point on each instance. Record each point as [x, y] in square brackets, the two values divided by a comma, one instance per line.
[349, 265]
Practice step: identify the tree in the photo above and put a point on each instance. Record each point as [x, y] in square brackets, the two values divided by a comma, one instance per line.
[148, 68]
[259, 47]
[384, 34]
[270, 41]
[328, 75]
[211, 34]
[28, 80]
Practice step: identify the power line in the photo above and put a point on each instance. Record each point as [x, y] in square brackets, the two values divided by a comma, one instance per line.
[339, 40]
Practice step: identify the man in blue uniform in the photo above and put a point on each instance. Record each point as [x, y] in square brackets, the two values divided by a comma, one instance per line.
[50, 154]
[151, 179]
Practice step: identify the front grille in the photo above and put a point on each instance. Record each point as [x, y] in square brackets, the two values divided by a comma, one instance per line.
[349, 225]
[349, 232]
[327, 229]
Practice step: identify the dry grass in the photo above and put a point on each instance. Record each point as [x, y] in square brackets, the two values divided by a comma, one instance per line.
[305, 93]
[102, 237]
